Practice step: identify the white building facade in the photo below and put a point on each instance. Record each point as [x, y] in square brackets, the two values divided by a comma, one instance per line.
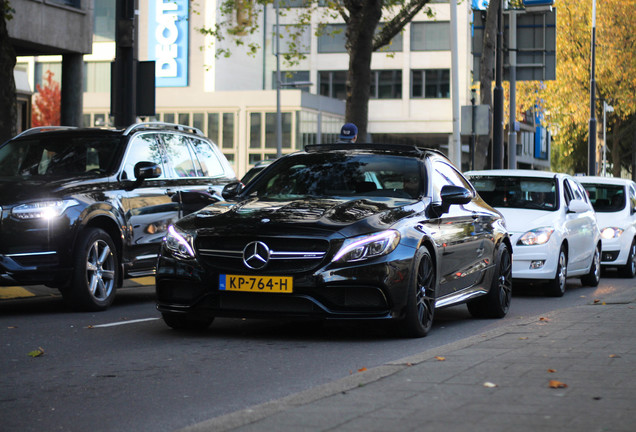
[234, 99]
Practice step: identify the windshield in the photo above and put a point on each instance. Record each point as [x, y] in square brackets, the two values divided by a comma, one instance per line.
[606, 198]
[47, 156]
[340, 175]
[517, 192]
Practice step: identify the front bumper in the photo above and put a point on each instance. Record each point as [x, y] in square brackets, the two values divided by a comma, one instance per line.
[537, 262]
[374, 290]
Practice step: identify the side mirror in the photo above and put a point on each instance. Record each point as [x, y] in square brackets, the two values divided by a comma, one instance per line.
[452, 195]
[577, 206]
[146, 170]
[231, 190]
[455, 195]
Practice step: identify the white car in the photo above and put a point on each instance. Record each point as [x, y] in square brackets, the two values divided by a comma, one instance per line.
[551, 222]
[614, 200]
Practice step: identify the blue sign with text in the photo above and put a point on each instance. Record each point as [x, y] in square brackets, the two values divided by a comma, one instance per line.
[168, 41]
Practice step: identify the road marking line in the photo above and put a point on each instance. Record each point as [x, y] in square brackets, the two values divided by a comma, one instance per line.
[125, 322]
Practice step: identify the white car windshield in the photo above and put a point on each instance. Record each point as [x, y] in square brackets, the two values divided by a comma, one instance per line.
[517, 192]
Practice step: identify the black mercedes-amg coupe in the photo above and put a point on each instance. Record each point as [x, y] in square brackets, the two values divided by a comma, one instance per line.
[355, 231]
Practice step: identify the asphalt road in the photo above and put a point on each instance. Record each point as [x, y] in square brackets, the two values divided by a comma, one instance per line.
[125, 370]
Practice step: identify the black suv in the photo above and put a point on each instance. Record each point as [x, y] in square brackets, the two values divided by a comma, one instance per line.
[82, 209]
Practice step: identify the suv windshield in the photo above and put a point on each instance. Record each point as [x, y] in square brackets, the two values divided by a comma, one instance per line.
[517, 192]
[342, 175]
[606, 198]
[58, 156]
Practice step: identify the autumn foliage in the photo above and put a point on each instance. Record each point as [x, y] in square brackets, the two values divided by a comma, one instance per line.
[46, 103]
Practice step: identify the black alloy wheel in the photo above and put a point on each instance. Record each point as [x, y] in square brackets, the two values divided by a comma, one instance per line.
[496, 303]
[420, 306]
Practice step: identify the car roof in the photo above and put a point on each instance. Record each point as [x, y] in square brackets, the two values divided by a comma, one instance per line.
[396, 149]
[604, 180]
[136, 127]
[515, 173]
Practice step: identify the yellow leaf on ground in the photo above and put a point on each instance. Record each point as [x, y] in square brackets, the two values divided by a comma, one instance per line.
[440, 358]
[362, 369]
[557, 384]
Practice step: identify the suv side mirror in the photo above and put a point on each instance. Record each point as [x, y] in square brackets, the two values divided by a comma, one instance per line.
[146, 170]
[231, 190]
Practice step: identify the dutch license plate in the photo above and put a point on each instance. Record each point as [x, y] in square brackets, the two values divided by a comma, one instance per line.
[266, 284]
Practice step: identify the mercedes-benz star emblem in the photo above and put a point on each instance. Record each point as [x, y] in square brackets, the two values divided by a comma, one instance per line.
[256, 255]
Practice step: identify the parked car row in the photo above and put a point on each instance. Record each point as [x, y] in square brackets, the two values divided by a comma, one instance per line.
[357, 231]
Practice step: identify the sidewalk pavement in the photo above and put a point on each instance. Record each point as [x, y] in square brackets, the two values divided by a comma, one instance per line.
[573, 370]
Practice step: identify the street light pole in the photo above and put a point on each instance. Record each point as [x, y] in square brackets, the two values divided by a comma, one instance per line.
[279, 117]
[498, 98]
[591, 139]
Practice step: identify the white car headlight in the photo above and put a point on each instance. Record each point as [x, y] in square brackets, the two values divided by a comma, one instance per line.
[537, 236]
[179, 243]
[43, 209]
[611, 232]
[368, 246]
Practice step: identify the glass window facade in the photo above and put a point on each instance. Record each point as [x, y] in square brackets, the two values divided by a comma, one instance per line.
[430, 36]
[430, 83]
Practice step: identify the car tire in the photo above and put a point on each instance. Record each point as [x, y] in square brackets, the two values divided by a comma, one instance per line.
[594, 276]
[496, 303]
[186, 323]
[629, 269]
[95, 272]
[556, 287]
[420, 302]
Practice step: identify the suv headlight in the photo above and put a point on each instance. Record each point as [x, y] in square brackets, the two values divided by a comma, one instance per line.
[611, 232]
[43, 209]
[537, 236]
[368, 246]
[179, 243]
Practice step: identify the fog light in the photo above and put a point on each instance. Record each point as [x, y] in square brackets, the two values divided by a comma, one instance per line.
[537, 264]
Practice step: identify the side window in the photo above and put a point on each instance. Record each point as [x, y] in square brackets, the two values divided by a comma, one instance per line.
[179, 155]
[142, 148]
[632, 196]
[206, 159]
[567, 189]
[445, 174]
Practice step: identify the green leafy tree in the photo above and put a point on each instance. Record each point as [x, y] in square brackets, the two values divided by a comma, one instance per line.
[566, 101]
[363, 36]
[47, 102]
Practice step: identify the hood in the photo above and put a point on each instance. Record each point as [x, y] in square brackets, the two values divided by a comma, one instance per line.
[522, 220]
[14, 192]
[353, 216]
[620, 219]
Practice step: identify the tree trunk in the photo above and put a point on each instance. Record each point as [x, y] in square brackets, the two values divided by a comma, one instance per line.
[363, 20]
[8, 98]
[486, 76]
[616, 149]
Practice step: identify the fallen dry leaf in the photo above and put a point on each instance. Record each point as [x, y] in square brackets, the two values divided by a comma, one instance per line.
[12, 327]
[544, 319]
[37, 353]
[440, 358]
[489, 384]
[596, 301]
[614, 356]
[551, 370]
[523, 338]
[362, 369]
[557, 384]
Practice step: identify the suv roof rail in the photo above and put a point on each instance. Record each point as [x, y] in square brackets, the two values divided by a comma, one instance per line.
[39, 129]
[162, 125]
[356, 146]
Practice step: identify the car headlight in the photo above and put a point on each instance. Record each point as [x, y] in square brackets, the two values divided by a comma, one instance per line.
[179, 243]
[43, 209]
[611, 232]
[537, 236]
[368, 246]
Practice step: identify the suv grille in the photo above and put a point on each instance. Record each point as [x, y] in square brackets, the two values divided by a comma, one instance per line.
[286, 255]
